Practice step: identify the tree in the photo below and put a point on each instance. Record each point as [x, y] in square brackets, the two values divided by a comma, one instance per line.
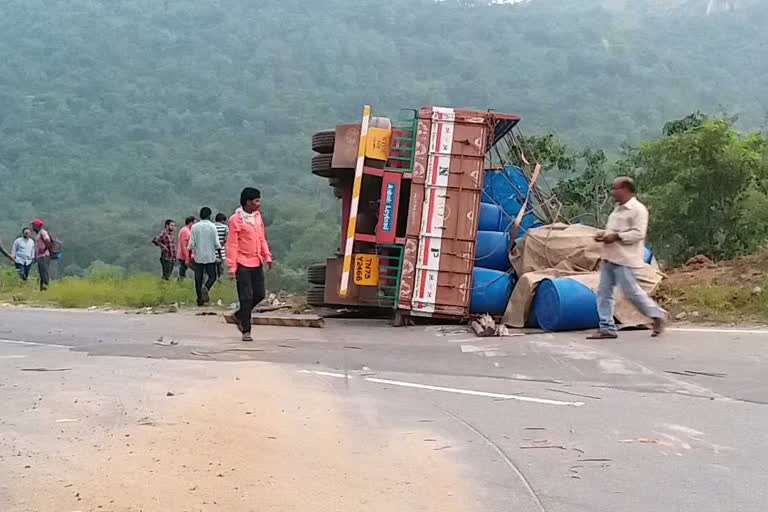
[700, 184]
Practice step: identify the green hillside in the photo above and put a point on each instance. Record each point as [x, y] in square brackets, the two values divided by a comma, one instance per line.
[116, 114]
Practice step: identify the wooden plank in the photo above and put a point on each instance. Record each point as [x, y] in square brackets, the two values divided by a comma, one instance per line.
[283, 319]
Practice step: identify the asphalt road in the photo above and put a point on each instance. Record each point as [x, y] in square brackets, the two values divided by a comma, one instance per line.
[537, 422]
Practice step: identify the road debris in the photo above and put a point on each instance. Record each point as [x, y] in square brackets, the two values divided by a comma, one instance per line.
[169, 393]
[691, 373]
[46, 369]
[163, 343]
[214, 352]
[283, 319]
[574, 394]
[484, 326]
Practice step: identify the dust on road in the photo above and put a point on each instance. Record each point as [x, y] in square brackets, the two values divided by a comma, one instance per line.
[105, 436]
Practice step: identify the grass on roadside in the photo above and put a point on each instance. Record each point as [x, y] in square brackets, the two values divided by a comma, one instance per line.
[131, 291]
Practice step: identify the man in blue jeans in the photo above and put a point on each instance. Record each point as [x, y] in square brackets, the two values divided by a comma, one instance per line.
[623, 245]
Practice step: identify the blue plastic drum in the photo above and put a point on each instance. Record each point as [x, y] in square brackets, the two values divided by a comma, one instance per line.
[490, 291]
[563, 304]
[490, 218]
[492, 250]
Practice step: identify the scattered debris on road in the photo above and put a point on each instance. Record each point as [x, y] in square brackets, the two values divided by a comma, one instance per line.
[484, 326]
[46, 369]
[691, 373]
[283, 319]
[160, 341]
[170, 394]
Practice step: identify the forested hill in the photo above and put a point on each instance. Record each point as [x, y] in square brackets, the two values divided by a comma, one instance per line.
[115, 114]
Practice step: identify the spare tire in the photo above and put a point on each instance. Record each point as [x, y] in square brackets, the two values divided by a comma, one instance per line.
[321, 165]
[324, 141]
[340, 181]
[316, 295]
[316, 273]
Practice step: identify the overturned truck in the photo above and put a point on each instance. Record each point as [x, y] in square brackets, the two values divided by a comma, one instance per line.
[411, 193]
[442, 215]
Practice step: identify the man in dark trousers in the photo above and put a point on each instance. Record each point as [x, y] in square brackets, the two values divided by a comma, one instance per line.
[42, 253]
[203, 250]
[247, 254]
[222, 229]
[167, 243]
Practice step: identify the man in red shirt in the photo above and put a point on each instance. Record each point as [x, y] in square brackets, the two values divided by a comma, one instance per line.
[183, 251]
[42, 253]
[247, 254]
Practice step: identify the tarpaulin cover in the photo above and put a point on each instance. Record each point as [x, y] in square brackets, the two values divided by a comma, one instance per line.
[561, 250]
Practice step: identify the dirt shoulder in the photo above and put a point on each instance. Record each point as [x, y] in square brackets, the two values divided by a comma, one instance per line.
[734, 291]
[107, 436]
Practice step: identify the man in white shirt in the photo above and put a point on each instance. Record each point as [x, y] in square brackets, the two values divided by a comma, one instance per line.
[23, 253]
[623, 246]
[204, 245]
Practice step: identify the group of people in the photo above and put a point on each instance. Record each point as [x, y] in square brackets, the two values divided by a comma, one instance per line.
[237, 246]
[28, 250]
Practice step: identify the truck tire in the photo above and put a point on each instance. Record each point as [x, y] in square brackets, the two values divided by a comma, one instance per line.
[324, 141]
[340, 181]
[321, 165]
[316, 273]
[316, 295]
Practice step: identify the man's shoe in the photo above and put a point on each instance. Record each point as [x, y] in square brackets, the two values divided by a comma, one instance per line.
[247, 336]
[603, 335]
[659, 325]
[204, 295]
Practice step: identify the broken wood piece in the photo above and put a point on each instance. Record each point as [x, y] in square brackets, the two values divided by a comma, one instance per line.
[46, 369]
[282, 319]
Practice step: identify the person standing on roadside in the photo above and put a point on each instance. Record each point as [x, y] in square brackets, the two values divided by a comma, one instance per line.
[42, 253]
[167, 243]
[623, 246]
[23, 252]
[203, 249]
[247, 254]
[182, 253]
[223, 230]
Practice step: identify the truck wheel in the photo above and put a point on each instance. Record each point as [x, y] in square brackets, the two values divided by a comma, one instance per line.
[316, 295]
[316, 273]
[321, 165]
[324, 141]
[338, 193]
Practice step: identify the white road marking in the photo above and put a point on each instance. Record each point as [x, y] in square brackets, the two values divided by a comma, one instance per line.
[325, 374]
[722, 331]
[447, 390]
[472, 392]
[12, 357]
[34, 343]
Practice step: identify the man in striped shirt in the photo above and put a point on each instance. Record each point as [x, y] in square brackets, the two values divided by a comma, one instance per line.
[222, 230]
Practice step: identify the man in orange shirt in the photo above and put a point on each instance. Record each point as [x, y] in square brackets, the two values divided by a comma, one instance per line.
[247, 254]
[183, 251]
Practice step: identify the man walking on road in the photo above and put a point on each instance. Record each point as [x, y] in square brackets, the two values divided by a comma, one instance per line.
[204, 246]
[247, 253]
[223, 230]
[42, 253]
[623, 245]
[167, 243]
[183, 250]
[23, 252]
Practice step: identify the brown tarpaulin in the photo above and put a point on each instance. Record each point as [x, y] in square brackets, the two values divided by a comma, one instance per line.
[560, 250]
